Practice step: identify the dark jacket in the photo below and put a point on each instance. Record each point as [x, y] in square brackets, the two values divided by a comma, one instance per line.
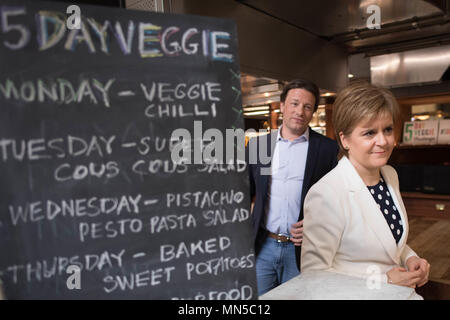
[321, 158]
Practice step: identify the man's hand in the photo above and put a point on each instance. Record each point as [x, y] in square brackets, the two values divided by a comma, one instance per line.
[297, 233]
[417, 264]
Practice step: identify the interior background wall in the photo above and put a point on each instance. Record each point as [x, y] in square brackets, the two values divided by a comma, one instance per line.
[272, 48]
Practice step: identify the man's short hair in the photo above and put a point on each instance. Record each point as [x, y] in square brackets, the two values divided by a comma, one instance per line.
[302, 84]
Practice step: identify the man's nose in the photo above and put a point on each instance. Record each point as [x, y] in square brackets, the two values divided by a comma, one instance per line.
[300, 110]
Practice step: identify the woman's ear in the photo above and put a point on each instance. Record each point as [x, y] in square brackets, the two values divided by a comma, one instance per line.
[343, 140]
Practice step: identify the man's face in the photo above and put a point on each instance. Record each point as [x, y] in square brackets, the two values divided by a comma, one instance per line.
[297, 109]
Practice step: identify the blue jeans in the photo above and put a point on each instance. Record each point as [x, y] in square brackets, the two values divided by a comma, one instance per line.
[275, 264]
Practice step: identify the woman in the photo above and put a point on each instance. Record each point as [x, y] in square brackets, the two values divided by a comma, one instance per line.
[354, 217]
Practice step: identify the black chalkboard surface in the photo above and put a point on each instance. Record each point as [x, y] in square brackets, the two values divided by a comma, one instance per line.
[92, 203]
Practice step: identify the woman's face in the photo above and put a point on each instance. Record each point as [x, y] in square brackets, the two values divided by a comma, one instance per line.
[371, 143]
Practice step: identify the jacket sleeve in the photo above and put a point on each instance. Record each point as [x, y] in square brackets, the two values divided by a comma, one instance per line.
[323, 226]
[406, 254]
[250, 165]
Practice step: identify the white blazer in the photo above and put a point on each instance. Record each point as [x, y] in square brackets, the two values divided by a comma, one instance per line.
[345, 230]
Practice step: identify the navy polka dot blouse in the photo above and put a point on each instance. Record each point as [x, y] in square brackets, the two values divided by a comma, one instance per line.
[382, 196]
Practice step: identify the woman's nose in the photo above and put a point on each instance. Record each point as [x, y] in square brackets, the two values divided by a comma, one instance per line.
[381, 139]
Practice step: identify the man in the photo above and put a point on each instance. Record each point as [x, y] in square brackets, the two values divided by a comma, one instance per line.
[297, 157]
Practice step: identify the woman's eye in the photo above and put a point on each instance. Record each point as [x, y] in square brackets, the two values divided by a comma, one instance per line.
[388, 129]
[369, 133]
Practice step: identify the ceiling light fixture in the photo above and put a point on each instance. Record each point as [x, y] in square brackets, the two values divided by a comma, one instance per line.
[256, 108]
[255, 113]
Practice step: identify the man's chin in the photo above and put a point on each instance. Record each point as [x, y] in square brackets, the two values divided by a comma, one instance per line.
[299, 130]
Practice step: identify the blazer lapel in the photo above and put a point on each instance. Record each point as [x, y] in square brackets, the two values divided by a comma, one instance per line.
[396, 197]
[311, 161]
[369, 209]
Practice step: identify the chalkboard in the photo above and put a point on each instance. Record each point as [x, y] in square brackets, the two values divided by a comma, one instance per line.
[111, 185]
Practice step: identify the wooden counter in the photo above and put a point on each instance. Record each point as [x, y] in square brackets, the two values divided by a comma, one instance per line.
[427, 205]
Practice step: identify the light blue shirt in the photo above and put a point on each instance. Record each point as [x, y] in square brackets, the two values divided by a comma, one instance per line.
[286, 183]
